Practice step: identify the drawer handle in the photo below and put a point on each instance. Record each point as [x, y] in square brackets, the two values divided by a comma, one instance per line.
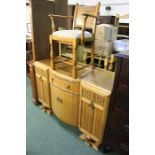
[123, 147]
[52, 79]
[68, 87]
[91, 105]
[58, 99]
[40, 78]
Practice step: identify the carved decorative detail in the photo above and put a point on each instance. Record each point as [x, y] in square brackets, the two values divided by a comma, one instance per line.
[86, 93]
[99, 99]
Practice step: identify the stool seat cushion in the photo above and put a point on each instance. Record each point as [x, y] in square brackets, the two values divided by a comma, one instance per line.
[75, 34]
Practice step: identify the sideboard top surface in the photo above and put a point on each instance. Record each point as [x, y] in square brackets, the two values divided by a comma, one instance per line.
[44, 62]
[102, 79]
[98, 78]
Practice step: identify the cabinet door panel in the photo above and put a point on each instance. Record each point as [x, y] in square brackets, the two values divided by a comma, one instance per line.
[65, 105]
[37, 70]
[97, 125]
[100, 115]
[57, 106]
[86, 116]
[44, 72]
[46, 92]
[39, 88]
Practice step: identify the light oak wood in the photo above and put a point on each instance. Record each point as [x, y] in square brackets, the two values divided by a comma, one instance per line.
[65, 97]
[66, 84]
[42, 82]
[33, 83]
[94, 105]
[84, 18]
[81, 102]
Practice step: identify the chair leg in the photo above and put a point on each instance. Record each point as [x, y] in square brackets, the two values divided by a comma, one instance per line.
[52, 56]
[74, 69]
[92, 56]
[85, 57]
[99, 61]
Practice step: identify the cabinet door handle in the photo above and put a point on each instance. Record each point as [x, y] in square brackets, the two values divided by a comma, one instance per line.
[124, 147]
[52, 79]
[58, 99]
[91, 105]
[68, 87]
[40, 78]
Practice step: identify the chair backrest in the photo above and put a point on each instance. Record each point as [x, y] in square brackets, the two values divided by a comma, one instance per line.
[78, 17]
[118, 25]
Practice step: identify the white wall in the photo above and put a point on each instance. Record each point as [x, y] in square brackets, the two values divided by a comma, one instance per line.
[117, 6]
[28, 19]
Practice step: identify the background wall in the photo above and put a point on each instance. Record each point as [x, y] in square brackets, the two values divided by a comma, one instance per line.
[28, 19]
[117, 6]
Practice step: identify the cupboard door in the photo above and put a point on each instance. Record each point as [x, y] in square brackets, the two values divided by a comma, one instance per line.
[99, 115]
[65, 105]
[97, 125]
[39, 87]
[86, 113]
[46, 92]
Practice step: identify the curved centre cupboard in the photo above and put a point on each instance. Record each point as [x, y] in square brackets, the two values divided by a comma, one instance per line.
[65, 94]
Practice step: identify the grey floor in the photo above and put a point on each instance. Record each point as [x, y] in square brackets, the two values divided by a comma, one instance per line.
[46, 135]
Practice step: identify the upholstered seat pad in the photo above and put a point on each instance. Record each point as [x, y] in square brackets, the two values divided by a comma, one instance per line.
[71, 34]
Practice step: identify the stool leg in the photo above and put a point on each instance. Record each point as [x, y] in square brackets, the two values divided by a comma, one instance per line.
[92, 55]
[106, 61]
[74, 50]
[52, 56]
[85, 57]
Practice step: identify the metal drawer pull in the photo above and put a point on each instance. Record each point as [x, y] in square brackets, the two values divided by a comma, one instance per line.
[124, 147]
[58, 99]
[68, 87]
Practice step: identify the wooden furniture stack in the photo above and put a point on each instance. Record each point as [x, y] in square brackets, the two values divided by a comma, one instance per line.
[116, 136]
[80, 100]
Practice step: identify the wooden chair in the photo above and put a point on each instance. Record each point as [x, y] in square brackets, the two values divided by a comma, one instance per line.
[119, 25]
[109, 62]
[84, 19]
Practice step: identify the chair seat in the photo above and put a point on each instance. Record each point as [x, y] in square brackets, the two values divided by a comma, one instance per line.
[74, 34]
